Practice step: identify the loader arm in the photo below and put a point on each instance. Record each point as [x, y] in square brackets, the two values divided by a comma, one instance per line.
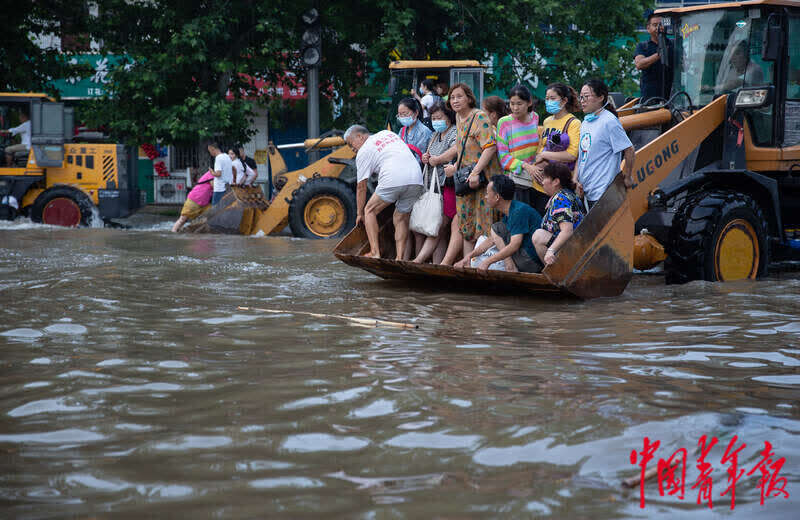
[655, 160]
[598, 259]
[274, 219]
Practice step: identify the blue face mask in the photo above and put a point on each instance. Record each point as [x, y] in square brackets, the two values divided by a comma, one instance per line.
[593, 116]
[439, 125]
[552, 106]
[406, 121]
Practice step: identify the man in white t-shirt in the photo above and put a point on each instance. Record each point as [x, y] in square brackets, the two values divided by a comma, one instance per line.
[223, 171]
[399, 182]
[24, 132]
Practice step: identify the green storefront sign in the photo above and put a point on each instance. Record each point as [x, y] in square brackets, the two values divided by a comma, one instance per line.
[93, 86]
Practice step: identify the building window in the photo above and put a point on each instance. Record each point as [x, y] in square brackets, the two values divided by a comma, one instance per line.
[186, 156]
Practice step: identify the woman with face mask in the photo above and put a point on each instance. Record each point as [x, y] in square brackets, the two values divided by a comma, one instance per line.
[561, 101]
[415, 134]
[517, 144]
[603, 143]
[441, 151]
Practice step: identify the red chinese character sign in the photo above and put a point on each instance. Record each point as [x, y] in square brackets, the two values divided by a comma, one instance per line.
[671, 472]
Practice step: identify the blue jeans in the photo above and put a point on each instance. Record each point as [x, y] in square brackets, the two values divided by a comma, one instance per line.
[216, 196]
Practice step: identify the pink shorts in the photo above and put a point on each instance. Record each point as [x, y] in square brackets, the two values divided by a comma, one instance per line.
[449, 201]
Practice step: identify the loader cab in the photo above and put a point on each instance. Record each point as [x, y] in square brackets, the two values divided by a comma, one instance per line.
[51, 126]
[748, 49]
[406, 75]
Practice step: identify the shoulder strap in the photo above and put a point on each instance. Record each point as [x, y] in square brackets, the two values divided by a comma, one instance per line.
[464, 142]
[415, 150]
[403, 133]
[566, 125]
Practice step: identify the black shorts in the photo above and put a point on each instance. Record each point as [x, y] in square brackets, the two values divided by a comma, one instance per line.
[521, 258]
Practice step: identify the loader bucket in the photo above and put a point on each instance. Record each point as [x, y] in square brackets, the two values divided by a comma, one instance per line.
[235, 213]
[597, 262]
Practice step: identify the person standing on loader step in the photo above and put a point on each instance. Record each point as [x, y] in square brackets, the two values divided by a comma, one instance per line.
[24, 131]
[656, 79]
[223, 171]
[399, 183]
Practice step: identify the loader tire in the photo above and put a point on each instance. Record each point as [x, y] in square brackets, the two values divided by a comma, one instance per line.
[62, 206]
[322, 207]
[717, 235]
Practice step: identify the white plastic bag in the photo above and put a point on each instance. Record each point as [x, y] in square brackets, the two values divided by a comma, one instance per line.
[426, 215]
[478, 260]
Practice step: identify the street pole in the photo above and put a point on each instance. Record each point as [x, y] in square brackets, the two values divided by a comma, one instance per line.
[312, 89]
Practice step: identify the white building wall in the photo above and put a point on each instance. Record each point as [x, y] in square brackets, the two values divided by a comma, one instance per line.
[257, 147]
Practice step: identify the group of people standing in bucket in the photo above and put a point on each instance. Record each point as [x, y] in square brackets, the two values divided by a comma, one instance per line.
[529, 184]
[230, 168]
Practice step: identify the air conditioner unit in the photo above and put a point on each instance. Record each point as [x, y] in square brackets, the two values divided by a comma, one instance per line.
[169, 190]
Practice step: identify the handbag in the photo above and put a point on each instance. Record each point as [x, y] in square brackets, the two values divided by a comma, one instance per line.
[461, 177]
[426, 215]
[559, 142]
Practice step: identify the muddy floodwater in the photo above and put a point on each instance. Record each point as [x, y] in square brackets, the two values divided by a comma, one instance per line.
[132, 386]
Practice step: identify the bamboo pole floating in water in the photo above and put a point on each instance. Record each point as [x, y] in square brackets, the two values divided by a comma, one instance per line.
[650, 473]
[369, 322]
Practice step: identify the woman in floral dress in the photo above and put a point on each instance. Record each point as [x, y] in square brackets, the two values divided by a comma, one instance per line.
[475, 218]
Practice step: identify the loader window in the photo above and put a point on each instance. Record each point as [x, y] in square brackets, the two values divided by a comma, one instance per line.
[791, 125]
[759, 73]
[793, 79]
[715, 53]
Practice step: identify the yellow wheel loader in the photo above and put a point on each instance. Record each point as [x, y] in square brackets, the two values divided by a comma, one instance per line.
[319, 201]
[716, 190]
[733, 204]
[58, 181]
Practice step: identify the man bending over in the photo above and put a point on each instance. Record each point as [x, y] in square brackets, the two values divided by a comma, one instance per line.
[399, 182]
[512, 235]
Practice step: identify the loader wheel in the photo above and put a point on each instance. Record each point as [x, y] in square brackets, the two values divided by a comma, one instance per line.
[718, 235]
[323, 207]
[62, 206]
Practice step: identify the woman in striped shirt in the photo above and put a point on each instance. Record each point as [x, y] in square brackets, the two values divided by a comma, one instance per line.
[517, 145]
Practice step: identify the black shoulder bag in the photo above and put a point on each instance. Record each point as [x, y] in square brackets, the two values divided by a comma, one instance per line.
[460, 178]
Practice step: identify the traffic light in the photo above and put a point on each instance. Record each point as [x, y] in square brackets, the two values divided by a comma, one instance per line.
[312, 38]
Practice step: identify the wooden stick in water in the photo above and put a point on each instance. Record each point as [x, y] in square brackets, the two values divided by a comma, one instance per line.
[650, 473]
[370, 322]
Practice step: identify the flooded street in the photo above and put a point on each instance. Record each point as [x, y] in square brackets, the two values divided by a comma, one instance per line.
[132, 386]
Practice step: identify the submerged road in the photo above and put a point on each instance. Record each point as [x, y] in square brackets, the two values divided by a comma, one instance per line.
[130, 384]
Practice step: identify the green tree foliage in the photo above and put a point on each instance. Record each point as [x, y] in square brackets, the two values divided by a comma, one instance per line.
[183, 59]
[186, 55]
[25, 64]
[527, 40]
